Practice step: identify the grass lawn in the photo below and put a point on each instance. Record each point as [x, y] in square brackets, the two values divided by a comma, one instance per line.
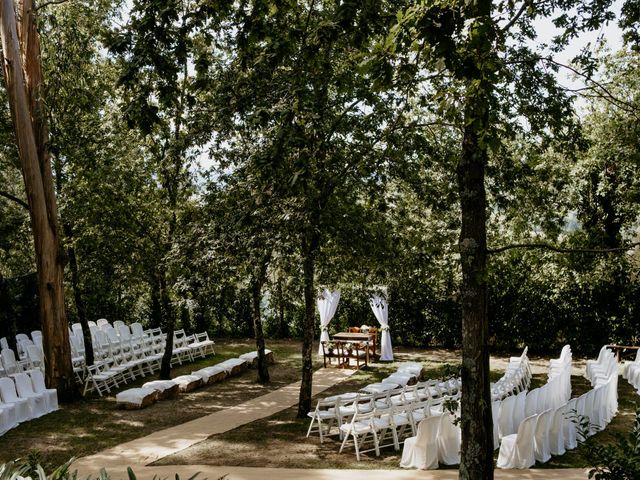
[94, 424]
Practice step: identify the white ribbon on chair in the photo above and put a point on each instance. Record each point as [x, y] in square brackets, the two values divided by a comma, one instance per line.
[381, 311]
[327, 305]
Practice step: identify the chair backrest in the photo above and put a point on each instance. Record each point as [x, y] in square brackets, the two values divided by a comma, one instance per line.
[37, 379]
[137, 330]
[5, 344]
[526, 433]
[125, 333]
[506, 415]
[35, 354]
[91, 323]
[117, 324]
[8, 390]
[8, 358]
[24, 385]
[102, 322]
[531, 402]
[35, 334]
[519, 408]
[428, 430]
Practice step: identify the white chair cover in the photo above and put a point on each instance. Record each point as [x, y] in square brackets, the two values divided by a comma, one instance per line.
[39, 386]
[542, 453]
[421, 451]
[380, 309]
[327, 305]
[505, 419]
[37, 401]
[9, 396]
[7, 417]
[556, 432]
[449, 441]
[517, 450]
[569, 425]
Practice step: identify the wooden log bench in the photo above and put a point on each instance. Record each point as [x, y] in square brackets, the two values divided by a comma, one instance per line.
[211, 375]
[188, 383]
[136, 398]
[166, 388]
[252, 358]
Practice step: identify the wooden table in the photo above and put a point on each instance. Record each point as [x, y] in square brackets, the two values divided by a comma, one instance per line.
[623, 349]
[368, 338]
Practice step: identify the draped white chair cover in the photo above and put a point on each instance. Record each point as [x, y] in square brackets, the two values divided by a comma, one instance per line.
[327, 305]
[381, 311]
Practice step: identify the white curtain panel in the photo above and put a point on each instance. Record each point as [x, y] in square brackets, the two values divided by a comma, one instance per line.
[327, 306]
[381, 311]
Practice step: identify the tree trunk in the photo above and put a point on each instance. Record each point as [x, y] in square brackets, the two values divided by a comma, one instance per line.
[477, 426]
[165, 366]
[42, 209]
[310, 246]
[283, 331]
[257, 282]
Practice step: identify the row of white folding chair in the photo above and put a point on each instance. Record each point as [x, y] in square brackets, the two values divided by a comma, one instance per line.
[378, 424]
[24, 397]
[120, 369]
[340, 409]
[516, 379]
[437, 441]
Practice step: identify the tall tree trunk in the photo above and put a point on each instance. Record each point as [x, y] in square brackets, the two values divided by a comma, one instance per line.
[477, 426]
[282, 328]
[42, 204]
[258, 280]
[169, 326]
[309, 249]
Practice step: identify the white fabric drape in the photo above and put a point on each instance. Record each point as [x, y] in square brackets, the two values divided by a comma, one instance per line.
[381, 311]
[327, 305]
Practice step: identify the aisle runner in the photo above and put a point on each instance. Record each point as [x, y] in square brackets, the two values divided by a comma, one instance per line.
[146, 450]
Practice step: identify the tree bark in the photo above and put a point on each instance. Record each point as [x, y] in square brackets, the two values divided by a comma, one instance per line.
[309, 248]
[477, 427]
[42, 207]
[257, 282]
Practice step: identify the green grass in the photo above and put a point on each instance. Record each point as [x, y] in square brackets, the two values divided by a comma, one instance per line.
[94, 424]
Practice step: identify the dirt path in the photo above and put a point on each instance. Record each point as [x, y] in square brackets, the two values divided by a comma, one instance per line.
[142, 451]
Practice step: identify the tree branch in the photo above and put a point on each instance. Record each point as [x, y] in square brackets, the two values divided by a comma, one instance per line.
[518, 14]
[553, 248]
[50, 2]
[15, 199]
[610, 96]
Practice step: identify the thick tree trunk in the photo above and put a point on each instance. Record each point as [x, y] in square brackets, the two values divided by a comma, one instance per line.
[477, 426]
[42, 209]
[310, 246]
[257, 282]
[169, 326]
